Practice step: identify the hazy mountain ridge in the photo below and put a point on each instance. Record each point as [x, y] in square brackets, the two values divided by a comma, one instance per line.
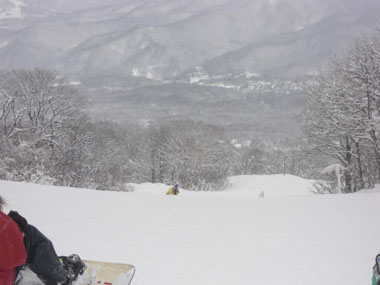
[238, 63]
[162, 39]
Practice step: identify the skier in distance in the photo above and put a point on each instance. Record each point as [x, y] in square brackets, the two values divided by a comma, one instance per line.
[173, 190]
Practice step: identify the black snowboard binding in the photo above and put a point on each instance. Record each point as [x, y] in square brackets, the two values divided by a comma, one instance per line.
[73, 267]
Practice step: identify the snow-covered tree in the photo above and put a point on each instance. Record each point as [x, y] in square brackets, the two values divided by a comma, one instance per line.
[198, 158]
[342, 114]
[37, 107]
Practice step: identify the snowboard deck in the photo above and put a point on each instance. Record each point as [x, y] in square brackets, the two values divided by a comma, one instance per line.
[106, 273]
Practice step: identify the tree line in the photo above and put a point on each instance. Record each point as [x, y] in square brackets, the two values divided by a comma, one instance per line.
[342, 117]
[46, 137]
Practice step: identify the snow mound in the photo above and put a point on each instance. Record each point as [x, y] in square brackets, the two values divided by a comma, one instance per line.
[370, 191]
[254, 186]
[271, 185]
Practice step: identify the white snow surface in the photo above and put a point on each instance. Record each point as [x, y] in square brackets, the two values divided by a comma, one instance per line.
[233, 237]
[14, 12]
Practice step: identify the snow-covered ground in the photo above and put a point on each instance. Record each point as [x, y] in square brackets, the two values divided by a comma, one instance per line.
[289, 237]
[14, 11]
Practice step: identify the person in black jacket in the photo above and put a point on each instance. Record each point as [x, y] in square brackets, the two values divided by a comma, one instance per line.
[41, 256]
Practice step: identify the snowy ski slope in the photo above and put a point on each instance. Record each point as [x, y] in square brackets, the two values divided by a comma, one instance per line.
[289, 237]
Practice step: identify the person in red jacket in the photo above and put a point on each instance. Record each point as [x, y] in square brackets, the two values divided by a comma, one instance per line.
[12, 249]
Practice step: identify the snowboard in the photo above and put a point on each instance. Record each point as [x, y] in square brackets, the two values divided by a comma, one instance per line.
[106, 273]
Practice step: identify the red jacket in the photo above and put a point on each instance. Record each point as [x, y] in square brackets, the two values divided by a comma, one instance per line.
[12, 250]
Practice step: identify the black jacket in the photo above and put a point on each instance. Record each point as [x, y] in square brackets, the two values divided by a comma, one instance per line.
[42, 258]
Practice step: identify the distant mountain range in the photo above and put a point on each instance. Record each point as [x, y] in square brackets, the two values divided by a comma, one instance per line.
[254, 47]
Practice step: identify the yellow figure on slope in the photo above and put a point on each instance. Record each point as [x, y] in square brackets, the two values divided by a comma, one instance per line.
[173, 190]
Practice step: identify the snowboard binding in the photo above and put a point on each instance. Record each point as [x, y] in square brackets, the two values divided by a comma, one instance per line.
[73, 266]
